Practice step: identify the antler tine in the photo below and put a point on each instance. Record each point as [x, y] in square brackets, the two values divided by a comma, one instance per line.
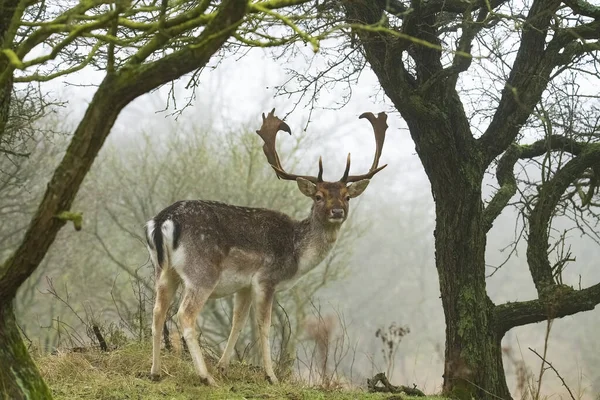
[268, 132]
[320, 176]
[380, 126]
[347, 170]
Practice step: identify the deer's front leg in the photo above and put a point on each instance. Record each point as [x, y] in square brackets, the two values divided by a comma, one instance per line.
[263, 303]
[241, 306]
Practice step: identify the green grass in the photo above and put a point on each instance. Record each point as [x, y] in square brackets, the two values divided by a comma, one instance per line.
[122, 374]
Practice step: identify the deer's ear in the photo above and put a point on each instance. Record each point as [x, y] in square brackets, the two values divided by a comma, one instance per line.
[307, 188]
[356, 189]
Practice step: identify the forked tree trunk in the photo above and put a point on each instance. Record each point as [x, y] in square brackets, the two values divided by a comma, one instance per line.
[19, 376]
[473, 359]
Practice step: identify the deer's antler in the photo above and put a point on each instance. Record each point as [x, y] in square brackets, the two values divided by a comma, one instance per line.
[380, 125]
[272, 124]
[268, 132]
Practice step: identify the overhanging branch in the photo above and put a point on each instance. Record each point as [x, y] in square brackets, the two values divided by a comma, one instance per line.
[435, 6]
[560, 302]
[583, 7]
[552, 143]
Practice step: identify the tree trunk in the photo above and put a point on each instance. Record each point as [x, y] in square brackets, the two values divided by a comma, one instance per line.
[7, 8]
[5, 98]
[473, 359]
[19, 376]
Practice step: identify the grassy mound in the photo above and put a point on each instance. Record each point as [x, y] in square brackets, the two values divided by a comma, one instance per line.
[122, 374]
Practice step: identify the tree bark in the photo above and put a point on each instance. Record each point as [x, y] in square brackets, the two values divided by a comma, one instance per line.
[19, 376]
[473, 358]
[5, 99]
[453, 162]
[7, 8]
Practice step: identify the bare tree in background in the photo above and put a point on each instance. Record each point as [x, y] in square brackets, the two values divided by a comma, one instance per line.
[479, 85]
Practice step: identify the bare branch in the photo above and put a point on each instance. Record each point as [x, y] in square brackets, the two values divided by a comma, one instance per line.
[560, 301]
[549, 195]
[583, 7]
[522, 93]
[505, 174]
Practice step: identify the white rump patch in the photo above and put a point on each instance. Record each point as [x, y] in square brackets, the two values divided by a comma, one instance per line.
[168, 228]
[149, 229]
[149, 233]
[178, 257]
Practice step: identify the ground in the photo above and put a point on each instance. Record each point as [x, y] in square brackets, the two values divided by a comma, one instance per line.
[122, 374]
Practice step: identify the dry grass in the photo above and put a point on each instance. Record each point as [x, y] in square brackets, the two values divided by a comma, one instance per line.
[122, 374]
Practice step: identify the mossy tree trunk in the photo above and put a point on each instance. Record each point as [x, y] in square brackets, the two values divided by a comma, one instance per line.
[7, 8]
[19, 376]
[406, 56]
[473, 359]
[19, 379]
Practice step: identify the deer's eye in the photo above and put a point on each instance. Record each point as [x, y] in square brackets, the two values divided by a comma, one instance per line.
[318, 197]
[347, 198]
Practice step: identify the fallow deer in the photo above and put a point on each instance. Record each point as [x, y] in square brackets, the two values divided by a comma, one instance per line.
[218, 249]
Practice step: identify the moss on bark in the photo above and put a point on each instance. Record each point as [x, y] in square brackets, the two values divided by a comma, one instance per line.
[19, 376]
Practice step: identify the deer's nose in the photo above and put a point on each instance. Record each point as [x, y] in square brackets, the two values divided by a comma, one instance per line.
[337, 213]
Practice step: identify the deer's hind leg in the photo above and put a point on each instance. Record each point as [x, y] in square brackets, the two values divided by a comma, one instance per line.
[192, 303]
[166, 286]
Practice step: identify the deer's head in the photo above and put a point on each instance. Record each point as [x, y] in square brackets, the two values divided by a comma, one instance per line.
[331, 199]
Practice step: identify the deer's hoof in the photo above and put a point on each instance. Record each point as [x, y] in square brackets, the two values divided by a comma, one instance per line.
[222, 368]
[154, 377]
[208, 381]
[272, 379]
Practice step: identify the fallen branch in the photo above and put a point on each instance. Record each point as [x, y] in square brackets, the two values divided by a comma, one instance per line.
[103, 345]
[389, 388]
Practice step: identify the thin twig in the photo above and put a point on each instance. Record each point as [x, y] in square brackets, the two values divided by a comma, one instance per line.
[14, 153]
[555, 371]
[542, 369]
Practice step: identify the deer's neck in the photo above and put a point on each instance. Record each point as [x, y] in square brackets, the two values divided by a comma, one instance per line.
[314, 241]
